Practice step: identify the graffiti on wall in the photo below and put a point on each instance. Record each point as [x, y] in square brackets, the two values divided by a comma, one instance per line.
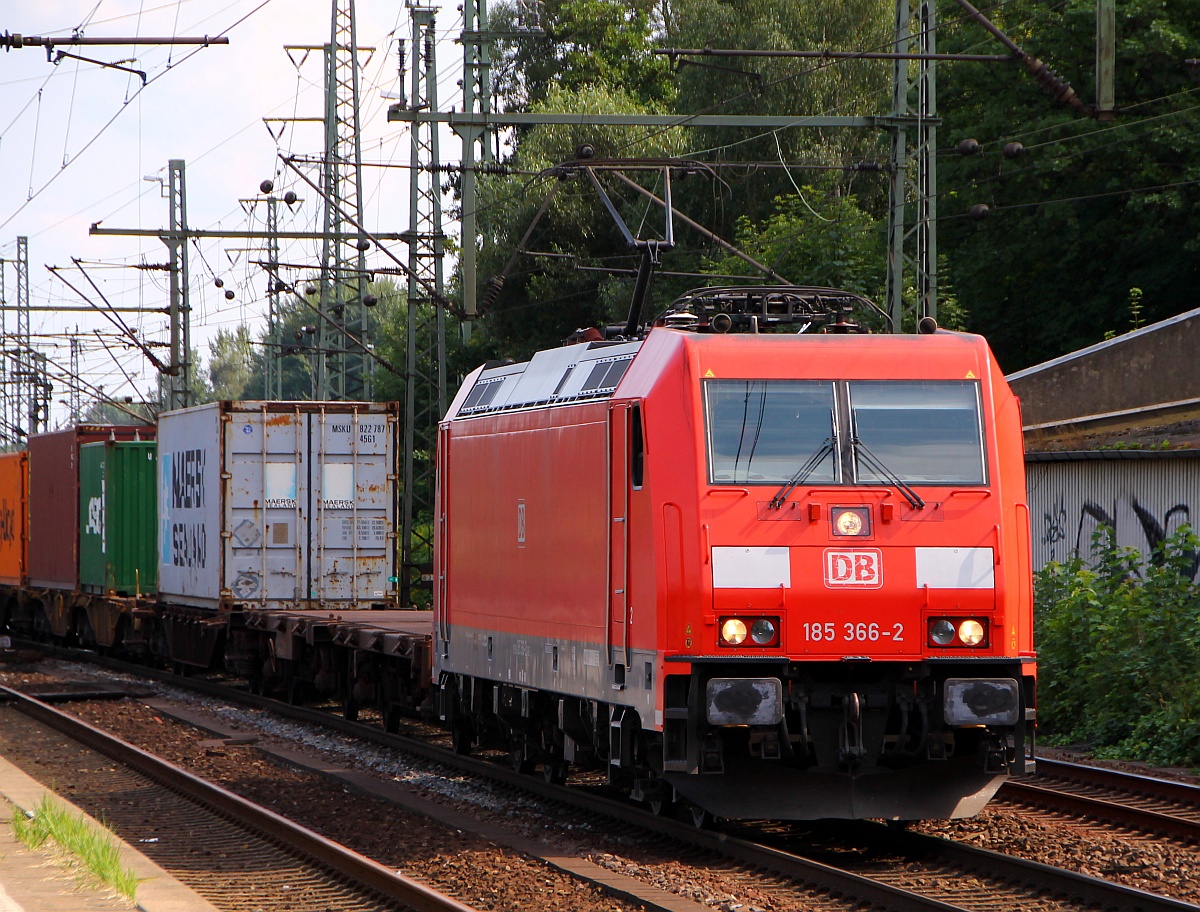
[1134, 523]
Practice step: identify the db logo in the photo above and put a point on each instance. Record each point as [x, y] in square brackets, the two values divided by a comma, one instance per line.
[860, 569]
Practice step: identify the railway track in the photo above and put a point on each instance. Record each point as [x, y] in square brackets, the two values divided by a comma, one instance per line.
[1116, 798]
[234, 853]
[891, 870]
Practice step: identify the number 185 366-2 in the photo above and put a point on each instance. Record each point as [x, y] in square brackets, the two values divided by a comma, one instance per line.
[850, 632]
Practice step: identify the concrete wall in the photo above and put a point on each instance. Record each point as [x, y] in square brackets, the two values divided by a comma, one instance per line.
[1150, 366]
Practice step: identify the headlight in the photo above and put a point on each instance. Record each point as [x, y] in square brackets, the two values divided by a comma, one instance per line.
[763, 632]
[749, 631]
[733, 632]
[958, 632]
[942, 632]
[851, 521]
[970, 632]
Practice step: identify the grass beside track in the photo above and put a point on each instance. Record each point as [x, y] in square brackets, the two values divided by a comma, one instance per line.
[95, 847]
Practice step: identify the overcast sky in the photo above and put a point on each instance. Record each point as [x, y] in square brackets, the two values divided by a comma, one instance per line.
[77, 142]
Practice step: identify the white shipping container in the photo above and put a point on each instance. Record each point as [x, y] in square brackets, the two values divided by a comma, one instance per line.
[278, 505]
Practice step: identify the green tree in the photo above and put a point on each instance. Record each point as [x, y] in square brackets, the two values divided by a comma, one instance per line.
[813, 238]
[595, 56]
[290, 351]
[760, 85]
[1072, 225]
[230, 357]
[581, 43]
[298, 335]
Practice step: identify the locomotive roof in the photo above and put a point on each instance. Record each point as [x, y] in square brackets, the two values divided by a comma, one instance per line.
[573, 373]
[592, 371]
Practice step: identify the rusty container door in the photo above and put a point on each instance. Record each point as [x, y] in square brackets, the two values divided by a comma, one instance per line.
[118, 518]
[265, 514]
[54, 500]
[14, 517]
[352, 449]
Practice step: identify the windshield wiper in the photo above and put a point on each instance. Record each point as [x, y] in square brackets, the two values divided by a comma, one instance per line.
[871, 461]
[802, 473]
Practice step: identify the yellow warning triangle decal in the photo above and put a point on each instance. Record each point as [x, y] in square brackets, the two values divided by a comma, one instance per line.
[970, 375]
[709, 373]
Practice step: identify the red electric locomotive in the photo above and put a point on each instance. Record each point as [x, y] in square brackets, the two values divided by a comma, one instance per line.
[779, 575]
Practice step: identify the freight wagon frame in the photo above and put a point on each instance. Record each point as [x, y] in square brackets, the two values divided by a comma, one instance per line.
[86, 574]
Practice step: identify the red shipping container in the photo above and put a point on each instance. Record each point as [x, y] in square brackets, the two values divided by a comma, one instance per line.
[14, 517]
[54, 500]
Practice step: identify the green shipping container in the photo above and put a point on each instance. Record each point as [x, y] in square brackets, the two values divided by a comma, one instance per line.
[118, 517]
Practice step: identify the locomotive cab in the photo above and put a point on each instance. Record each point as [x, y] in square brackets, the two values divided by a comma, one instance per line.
[780, 576]
[863, 646]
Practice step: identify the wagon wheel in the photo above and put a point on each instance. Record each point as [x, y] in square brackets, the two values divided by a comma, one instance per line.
[658, 807]
[462, 736]
[84, 632]
[554, 768]
[41, 625]
[391, 719]
[663, 807]
[350, 709]
[554, 764]
[519, 755]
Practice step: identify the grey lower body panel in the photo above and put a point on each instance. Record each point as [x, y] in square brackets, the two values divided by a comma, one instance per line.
[563, 666]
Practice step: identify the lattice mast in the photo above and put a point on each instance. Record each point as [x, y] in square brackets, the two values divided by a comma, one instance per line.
[273, 382]
[179, 379]
[344, 370]
[6, 417]
[912, 246]
[477, 99]
[22, 363]
[425, 355]
[74, 395]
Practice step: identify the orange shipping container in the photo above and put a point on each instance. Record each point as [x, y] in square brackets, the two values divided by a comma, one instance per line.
[14, 518]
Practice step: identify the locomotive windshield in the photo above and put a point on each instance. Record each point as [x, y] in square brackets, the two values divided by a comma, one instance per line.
[923, 432]
[909, 431]
[761, 431]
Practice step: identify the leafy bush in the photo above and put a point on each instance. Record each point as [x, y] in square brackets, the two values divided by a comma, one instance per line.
[1119, 651]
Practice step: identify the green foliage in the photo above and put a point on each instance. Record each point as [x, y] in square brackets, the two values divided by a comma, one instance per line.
[814, 238]
[295, 345]
[1135, 307]
[582, 43]
[230, 362]
[1118, 651]
[94, 847]
[759, 85]
[1049, 271]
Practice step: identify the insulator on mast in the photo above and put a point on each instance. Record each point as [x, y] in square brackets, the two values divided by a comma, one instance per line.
[402, 69]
